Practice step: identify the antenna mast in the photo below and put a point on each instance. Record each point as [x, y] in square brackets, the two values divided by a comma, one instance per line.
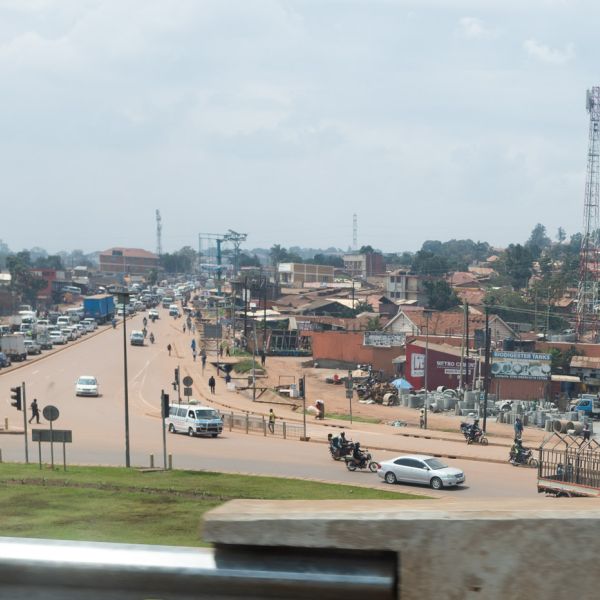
[587, 293]
[354, 232]
[158, 233]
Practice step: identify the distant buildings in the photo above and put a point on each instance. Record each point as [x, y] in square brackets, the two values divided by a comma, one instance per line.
[364, 264]
[404, 287]
[298, 274]
[131, 261]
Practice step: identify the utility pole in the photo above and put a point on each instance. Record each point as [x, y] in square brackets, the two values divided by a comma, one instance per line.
[486, 379]
[462, 350]
[467, 344]
[245, 310]
[265, 316]
[123, 299]
[427, 317]
[25, 422]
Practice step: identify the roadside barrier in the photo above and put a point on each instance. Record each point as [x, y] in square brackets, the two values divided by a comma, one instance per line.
[260, 425]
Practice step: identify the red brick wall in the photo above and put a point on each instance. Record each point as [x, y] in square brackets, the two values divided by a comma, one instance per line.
[347, 346]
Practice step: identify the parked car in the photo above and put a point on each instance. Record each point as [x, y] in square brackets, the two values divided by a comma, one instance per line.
[87, 385]
[4, 360]
[418, 468]
[32, 347]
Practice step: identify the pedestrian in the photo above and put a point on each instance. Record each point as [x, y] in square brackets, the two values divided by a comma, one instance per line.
[193, 328]
[212, 384]
[194, 354]
[586, 430]
[35, 412]
[184, 328]
[422, 419]
[227, 351]
[193, 344]
[227, 377]
[271, 421]
[221, 351]
[169, 349]
[203, 358]
[263, 358]
[518, 428]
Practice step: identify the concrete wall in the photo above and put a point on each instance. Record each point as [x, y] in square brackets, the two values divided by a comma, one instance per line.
[451, 549]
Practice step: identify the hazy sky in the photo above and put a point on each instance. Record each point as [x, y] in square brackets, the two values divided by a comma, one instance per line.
[429, 119]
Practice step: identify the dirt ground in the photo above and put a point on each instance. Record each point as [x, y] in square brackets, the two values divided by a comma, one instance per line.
[285, 370]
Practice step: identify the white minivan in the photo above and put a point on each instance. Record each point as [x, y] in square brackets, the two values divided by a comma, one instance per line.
[194, 419]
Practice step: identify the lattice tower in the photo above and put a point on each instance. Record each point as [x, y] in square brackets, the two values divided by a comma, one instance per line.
[587, 297]
[158, 233]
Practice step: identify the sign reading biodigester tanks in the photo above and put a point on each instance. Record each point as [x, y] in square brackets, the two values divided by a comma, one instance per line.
[521, 365]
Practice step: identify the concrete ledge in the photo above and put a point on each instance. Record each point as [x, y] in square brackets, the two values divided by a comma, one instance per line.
[446, 549]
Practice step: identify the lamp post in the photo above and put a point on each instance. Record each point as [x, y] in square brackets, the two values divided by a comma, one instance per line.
[426, 373]
[123, 299]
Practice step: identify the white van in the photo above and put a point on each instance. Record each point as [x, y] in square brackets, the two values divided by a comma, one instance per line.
[194, 419]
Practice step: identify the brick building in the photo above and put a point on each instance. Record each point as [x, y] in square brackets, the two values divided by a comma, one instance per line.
[132, 261]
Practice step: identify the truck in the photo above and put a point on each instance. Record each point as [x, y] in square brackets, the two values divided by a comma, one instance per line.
[100, 307]
[569, 466]
[587, 403]
[13, 346]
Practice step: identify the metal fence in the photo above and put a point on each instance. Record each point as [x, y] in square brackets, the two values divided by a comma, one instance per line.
[256, 424]
[58, 570]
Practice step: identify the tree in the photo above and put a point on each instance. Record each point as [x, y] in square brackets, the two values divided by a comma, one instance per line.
[538, 241]
[246, 260]
[361, 307]
[508, 305]
[330, 260]
[374, 324]
[49, 262]
[518, 265]
[427, 263]
[366, 250]
[23, 282]
[440, 296]
[278, 254]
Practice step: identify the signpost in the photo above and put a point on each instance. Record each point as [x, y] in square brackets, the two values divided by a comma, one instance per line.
[50, 414]
[350, 392]
[164, 403]
[187, 382]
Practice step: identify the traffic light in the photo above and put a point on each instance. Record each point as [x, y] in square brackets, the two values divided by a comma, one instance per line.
[301, 387]
[165, 405]
[177, 375]
[15, 395]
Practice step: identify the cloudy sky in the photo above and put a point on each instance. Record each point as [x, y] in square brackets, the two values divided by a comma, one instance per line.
[431, 119]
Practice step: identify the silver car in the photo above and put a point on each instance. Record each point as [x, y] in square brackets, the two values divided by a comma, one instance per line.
[418, 468]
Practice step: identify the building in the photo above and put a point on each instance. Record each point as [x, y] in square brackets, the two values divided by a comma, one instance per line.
[401, 285]
[364, 264]
[132, 261]
[298, 274]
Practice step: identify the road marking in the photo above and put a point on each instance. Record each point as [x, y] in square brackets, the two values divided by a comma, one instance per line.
[35, 372]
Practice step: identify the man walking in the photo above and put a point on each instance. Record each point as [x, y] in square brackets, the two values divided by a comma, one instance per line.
[271, 421]
[212, 384]
[518, 428]
[35, 412]
[263, 358]
[169, 349]
[203, 358]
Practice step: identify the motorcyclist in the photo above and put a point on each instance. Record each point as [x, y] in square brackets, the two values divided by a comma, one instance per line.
[357, 454]
[145, 321]
[114, 323]
[474, 429]
[152, 338]
[145, 332]
[518, 450]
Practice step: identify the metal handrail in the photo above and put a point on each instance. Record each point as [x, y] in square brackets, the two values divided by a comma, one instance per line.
[53, 570]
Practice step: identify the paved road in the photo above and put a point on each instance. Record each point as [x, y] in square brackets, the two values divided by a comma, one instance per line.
[98, 423]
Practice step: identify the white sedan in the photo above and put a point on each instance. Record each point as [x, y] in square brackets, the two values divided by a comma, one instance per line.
[418, 468]
[86, 385]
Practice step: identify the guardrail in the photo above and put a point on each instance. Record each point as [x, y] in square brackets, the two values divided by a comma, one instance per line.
[59, 570]
[255, 424]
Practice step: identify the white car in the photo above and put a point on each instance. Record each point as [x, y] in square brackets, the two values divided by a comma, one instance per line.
[419, 468]
[90, 323]
[87, 385]
[57, 337]
[153, 314]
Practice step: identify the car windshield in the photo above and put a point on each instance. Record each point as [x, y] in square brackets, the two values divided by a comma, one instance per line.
[434, 463]
[207, 413]
[86, 381]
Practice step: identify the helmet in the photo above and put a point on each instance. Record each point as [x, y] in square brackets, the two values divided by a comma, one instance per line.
[357, 445]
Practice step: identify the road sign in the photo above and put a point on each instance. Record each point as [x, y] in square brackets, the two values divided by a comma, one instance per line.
[187, 391]
[56, 435]
[187, 381]
[50, 413]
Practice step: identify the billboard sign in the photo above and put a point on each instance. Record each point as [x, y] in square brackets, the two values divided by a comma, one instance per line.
[417, 365]
[212, 331]
[521, 365]
[381, 339]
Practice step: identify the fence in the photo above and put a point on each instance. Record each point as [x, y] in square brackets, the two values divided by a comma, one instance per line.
[254, 424]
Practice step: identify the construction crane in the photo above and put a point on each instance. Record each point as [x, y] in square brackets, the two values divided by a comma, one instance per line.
[589, 275]
[236, 239]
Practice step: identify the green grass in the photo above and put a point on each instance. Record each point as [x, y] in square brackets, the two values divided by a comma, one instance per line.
[245, 366]
[119, 505]
[345, 417]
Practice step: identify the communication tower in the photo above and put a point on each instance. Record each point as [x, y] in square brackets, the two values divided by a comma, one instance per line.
[589, 276]
[158, 233]
[354, 232]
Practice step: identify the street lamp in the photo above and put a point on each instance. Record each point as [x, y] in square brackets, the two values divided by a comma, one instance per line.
[123, 300]
[427, 314]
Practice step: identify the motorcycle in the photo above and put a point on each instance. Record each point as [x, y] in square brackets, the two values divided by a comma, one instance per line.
[365, 461]
[339, 452]
[525, 457]
[473, 434]
[152, 338]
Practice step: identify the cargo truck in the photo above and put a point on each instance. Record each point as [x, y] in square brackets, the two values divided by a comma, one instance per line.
[14, 347]
[569, 466]
[100, 307]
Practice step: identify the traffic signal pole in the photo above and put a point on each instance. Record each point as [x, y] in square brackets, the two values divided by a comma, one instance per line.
[24, 400]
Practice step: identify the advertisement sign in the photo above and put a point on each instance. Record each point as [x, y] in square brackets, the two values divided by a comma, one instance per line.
[381, 339]
[452, 367]
[521, 365]
[417, 365]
